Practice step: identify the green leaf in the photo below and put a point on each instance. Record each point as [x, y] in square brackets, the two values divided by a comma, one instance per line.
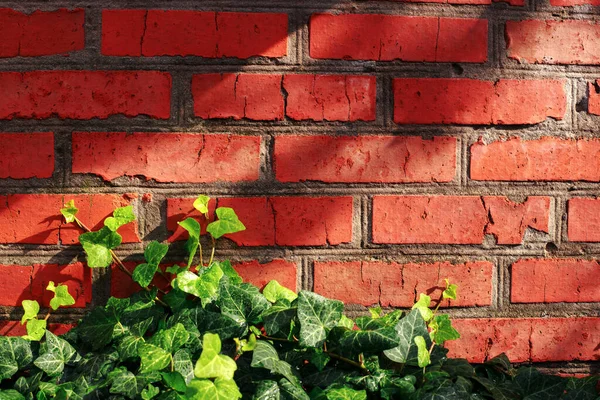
[124, 383]
[274, 291]
[31, 309]
[317, 316]
[442, 330]
[150, 392]
[423, 306]
[212, 364]
[129, 347]
[191, 246]
[227, 223]
[182, 363]
[97, 246]
[121, 216]
[69, 211]
[291, 391]
[319, 359]
[153, 358]
[205, 286]
[581, 389]
[155, 252]
[376, 312]
[220, 389]
[61, 296]
[230, 272]
[212, 322]
[242, 303]
[11, 394]
[345, 393]
[144, 273]
[265, 356]
[171, 339]
[373, 341]
[423, 351]
[15, 354]
[450, 292]
[278, 319]
[97, 328]
[250, 344]
[267, 390]
[59, 352]
[174, 380]
[536, 386]
[36, 328]
[201, 204]
[346, 322]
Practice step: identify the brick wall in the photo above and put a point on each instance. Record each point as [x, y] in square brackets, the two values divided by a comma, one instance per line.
[372, 149]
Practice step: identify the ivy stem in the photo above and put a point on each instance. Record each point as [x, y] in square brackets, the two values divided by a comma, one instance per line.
[120, 264]
[47, 316]
[212, 254]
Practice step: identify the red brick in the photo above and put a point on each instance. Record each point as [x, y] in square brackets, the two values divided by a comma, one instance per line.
[29, 283]
[330, 97]
[312, 221]
[255, 213]
[594, 98]
[237, 96]
[41, 33]
[477, 102]
[572, 3]
[259, 274]
[583, 220]
[26, 155]
[565, 339]
[85, 94]
[555, 281]
[455, 219]
[391, 37]
[36, 219]
[511, 2]
[14, 328]
[381, 159]
[193, 33]
[545, 159]
[191, 157]
[122, 286]
[553, 42]
[397, 285]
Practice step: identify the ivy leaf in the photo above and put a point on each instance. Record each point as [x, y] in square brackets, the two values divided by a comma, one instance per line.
[144, 273]
[536, 386]
[121, 216]
[31, 309]
[274, 291]
[442, 330]
[227, 223]
[229, 272]
[345, 393]
[36, 328]
[212, 322]
[407, 328]
[11, 394]
[61, 296]
[182, 363]
[171, 339]
[293, 391]
[205, 286]
[581, 389]
[150, 392]
[317, 316]
[319, 359]
[153, 358]
[174, 380]
[346, 322]
[265, 356]
[201, 204]
[267, 390]
[376, 312]
[450, 292]
[69, 211]
[423, 306]
[97, 246]
[191, 246]
[220, 389]
[423, 351]
[59, 352]
[15, 354]
[97, 328]
[242, 303]
[373, 341]
[212, 364]
[278, 319]
[129, 347]
[124, 383]
[155, 252]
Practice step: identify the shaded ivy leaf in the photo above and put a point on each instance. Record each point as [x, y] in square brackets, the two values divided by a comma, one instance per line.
[346, 322]
[220, 389]
[450, 291]
[278, 319]
[374, 341]
[11, 394]
[423, 306]
[230, 272]
[15, 354]
[291, 391]
[242, 303]
[536, 386]
[227, 223]
[442, 330]
[97, 328]
[211, 364]
[503, 391]
[345, 393]
[265, 356]
[193, 228]
[407, 329]
[423, 351]
[36, 328]
[97, 246]
[121, 216]
[273, 292]
[69, 211]
[144, 273]
[319, 359]
[174, 380]
[153, 358]
[150, 392]
[62, 297]
[171, 339]
[125, 383]
[212, 322]
[182, 363]
[58, 353]
[581, 389]
[175, 269]
[155, 252]
[317, 316]
[201, 204]
[129, 346]
[266, 390]
[31, 309]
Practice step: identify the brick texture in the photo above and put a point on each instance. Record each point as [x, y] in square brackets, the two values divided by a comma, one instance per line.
[583, 220]
[37, 162]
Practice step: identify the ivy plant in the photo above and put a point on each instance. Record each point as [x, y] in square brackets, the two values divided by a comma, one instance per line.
[211, 336]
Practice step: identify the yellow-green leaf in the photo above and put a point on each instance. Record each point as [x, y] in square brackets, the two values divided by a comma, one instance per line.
[31, 309]
[69, 211]
[212, 364]
[201, 204]
[423, 352]
[423, 306]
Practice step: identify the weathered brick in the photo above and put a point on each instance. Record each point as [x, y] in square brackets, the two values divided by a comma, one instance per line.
[565, 339]
[553, 42]
[572, 3]
[167, 157]
[583, 220]
[85, 94]
[260, 274]
[21, 282]
[545, 159]
[594, 97]
[477, 102]
[391, 37]
[41, 33]
[35, 218]
[14, 328]
[237, 96]
[382, 159]
[555, 281]
[193, 33]
[456, 219]
[26, 155]
[330, 97]
[397, 285]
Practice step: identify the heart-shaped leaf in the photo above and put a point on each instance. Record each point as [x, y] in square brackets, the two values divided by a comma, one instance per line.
[212, 364]
[227, 223]
[121, 216]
